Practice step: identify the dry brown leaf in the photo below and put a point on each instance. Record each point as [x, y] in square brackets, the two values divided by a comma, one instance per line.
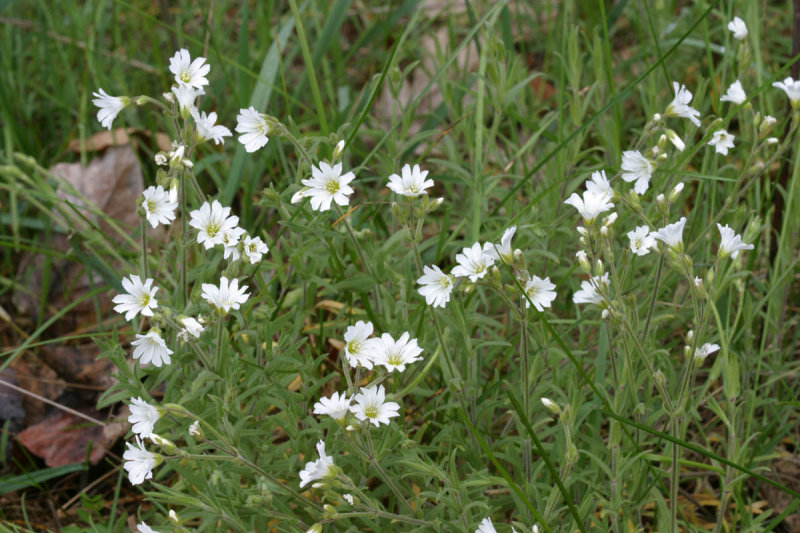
[63, 439]
[118, 137]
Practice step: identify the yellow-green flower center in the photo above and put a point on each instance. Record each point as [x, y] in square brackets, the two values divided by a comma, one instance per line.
[353, 346]
[212, 229]
[394, 359]
[444, 281]
[332, 186]
[371, 411]
[185, 77]
[144, 300]
[151, 205]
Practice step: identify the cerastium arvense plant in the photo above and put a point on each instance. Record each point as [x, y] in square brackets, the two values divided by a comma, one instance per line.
[262, 426]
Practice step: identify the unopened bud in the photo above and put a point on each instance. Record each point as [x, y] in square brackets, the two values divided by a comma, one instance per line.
[316, 528]
[173, 517]
[551, 406]
[166, 445]
[675, 192]
[168, 97]
[660, 378]
[583, 260]
[598, 268]
[338, 149]
[676, 140]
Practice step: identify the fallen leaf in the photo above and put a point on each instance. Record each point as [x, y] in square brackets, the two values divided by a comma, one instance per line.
[63, 439]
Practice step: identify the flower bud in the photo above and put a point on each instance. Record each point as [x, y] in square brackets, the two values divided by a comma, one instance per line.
[166, 445]
[173, 517]
[316, 528]
[598, 268]
[551, 406]
[660, 379]
[675, 192]
[168, 97]
[338, 149]
[583, 260]
[676, 140]
[141, 100]
[196, 431]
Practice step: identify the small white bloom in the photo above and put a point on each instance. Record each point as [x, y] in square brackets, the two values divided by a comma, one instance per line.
[144, 528]
[676, 141]
[791, 88]
[186, 95]
[349, 498]
[591, 205]
[551, 406]
[704, 351]
[739, 28]
[641, 240]
[328, 184]
[230, 243]
[151, 348]
[161, 159]
[721, 141]
[636, 167]
[139, 463]
[336, 407]
[371, 405]
[254, 129]
[730, 242]
[679, 107]
[502, 250]
[110, 106]
[735, 94]
[599, 184]
[254, 248]
[192, 326]
[473, 262]
[412, 182]
[436, 286]
[540, 292]
[143, 417]
[772, 140]
[157, 206]
[319, 469]
[590, 292]
[207, 127]
[359, 349]
[212, 222]
[225, 297]
[396, 354]
[672, 234]
[140, 297]
[188, 72]
[486, 526]
[195, 431]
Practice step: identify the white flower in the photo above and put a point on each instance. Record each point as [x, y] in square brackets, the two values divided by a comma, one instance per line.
[143, 417]
[110, 106]
[225, 297]
[336, 407]
[636, 167]
[739, 28]
[328, 184]
[140, 297]
[641, 240]
[730, 242]
[704, 351]
[251, 124]
[207, 127]
[192, 326]
[230, 243]
[254, 248]
[672, 234]
[139, 462]
[591, 205]
[212, 222]
[188, 72]
[371, 405]
[486, 526]
[679, 107]
[396, 354]
[144, 528]
[158, 208]
[599, 184]
[177, 159]
[195, 430]
[436, 286]
[721, 141]
[790, 87]
[540, 292]
[186, 96]
[496, 251]
[319, 469]
[473, 263]
[412, 182]
[151, 348]
[676, 141]
[348, 498]
[359, 348]
[590, 290]
[735, 94]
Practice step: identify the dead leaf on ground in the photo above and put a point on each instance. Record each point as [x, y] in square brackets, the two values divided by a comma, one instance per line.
[63, 438]
[118, 137]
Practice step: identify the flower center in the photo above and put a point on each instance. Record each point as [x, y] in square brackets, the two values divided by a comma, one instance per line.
[371, 411]
[532, 292]
[444, 281]
[394, 359]
[354, 346]
[212, 229]
[332, 186]
[185, 77]
[144, 300]
[151, 205]
[413, 188]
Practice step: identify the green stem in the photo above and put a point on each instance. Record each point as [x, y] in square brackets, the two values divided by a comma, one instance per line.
[145, 270]
[182, 248]
[312, 77]
[653, 296]
[526, 387]
[220, 328]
